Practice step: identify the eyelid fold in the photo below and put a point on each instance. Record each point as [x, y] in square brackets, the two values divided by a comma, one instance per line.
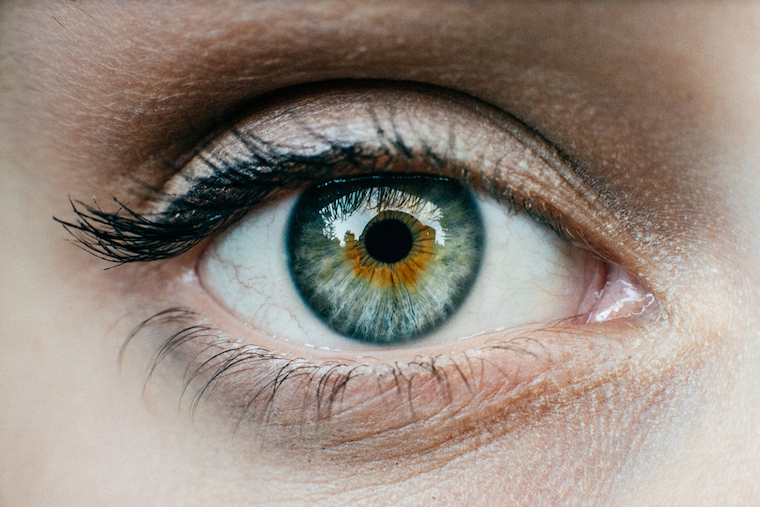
[383, 130]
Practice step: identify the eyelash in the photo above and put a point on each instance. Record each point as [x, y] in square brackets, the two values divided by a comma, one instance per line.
[126, 236]
[231, 358]
[330, 378]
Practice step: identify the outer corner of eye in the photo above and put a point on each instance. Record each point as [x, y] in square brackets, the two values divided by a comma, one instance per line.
[397, 260]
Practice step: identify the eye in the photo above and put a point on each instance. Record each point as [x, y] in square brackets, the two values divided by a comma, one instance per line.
[396, 258]
[392, 260]
[353, 233]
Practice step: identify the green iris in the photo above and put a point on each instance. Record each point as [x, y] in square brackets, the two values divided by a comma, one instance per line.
[385, 259]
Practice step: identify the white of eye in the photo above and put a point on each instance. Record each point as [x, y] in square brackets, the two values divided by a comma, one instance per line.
[528, 276]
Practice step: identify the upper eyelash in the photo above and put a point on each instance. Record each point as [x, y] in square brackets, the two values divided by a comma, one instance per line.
[127, 236]
[233, 188]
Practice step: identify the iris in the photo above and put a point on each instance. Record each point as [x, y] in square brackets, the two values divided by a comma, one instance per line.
[385, 260]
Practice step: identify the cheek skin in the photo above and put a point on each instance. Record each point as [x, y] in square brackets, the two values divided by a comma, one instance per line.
[568, 422]
[55, 336]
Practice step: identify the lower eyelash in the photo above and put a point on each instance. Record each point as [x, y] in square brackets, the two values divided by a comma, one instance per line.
[322, 386]
[225, 358]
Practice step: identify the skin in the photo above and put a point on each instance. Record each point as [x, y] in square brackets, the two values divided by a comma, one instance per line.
[657, 102]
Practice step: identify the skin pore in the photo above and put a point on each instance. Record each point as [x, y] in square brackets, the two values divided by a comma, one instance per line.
[657, 105]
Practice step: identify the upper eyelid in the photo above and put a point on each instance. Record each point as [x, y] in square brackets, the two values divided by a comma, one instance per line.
[546, 192]
[563, 167]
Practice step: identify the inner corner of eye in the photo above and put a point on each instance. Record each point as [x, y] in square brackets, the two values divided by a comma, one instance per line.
[396, 260]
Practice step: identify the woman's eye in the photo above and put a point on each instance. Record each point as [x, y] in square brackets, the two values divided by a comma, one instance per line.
[379, 260]
[410, 223]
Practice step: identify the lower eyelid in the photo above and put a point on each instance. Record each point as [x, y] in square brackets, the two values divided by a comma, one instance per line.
[274, 390]
[283, 395]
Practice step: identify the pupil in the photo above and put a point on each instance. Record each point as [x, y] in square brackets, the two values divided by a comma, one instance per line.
[388, 241]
